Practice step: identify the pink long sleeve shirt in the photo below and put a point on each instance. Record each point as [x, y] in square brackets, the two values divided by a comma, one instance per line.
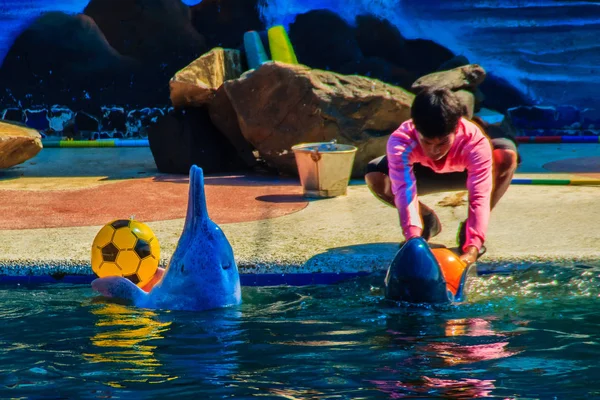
[471, 150]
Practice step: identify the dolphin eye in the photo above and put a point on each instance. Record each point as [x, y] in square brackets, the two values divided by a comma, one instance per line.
[226, 266]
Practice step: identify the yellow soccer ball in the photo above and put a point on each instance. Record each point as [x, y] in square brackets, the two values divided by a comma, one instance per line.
[126, 248]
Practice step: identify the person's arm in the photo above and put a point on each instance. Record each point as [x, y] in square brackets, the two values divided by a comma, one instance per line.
[404, 185]
[479, 184]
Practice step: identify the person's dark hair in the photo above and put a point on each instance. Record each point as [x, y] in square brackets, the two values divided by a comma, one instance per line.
[436, 112]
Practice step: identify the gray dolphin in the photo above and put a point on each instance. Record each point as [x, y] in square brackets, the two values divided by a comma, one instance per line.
[202, 273]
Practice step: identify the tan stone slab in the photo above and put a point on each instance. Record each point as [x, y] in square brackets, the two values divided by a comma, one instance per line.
[54, 183]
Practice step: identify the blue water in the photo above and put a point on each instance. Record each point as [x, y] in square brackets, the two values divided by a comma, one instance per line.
[546, 48]
[534, 334]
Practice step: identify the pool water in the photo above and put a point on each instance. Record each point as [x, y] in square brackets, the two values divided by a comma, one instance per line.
[533, 334]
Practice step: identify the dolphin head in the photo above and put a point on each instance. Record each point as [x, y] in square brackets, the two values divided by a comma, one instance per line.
[202, 273]
[415, 275]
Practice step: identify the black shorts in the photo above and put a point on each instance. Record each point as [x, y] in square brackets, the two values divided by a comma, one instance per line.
[429, 181]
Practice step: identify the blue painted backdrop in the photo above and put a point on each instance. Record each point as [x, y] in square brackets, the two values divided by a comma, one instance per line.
[548, 49]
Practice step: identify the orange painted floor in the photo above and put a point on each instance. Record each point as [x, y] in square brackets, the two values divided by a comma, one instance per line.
[230, 199]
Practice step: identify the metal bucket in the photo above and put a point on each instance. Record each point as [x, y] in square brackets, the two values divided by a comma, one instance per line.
[324, 168]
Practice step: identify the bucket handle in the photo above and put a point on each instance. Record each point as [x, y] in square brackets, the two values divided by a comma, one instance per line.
[315, 155]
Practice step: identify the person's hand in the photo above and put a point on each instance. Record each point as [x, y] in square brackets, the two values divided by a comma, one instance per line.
[470, 256]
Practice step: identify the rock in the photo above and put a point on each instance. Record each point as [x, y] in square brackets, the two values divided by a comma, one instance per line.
[101, 135]
[85, 122]
[59, 117]
[549, 117]
[424, 56]
[18, 143]
[279, 105]
[467, 99]
[224, 22]
[497, 128]
[322, 39]
[590, 118]
[454, 62]
[113, 120]
[159, 31]
[501, 95]
[379, 38]
[197, 83]
[13, 114]
[465, 77]
[65, 59]
[138, 121]
[223, 116]
[37, 118]
[185, 137]
[378, 68]
[158, 35]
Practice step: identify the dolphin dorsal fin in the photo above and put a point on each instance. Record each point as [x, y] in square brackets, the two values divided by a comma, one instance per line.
[197, 212]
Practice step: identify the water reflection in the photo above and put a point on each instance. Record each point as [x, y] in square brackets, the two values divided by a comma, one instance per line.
[453, 353]
[467, 388]
[123, 336]
[133, 347]
[436, 344]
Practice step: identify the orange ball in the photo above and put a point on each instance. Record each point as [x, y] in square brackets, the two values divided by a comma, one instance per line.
[452, 267]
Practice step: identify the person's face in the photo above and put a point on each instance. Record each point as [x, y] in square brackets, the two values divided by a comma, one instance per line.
[436, 148]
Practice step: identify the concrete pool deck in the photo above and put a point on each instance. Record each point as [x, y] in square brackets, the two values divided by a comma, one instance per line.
[53, 205]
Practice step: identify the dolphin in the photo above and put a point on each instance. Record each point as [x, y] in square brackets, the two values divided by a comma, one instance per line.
[415, 275]
[202, 273]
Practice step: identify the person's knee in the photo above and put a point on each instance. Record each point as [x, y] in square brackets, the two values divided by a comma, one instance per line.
[505, 162]
[371, 178]
[380, 185]
[376, 181]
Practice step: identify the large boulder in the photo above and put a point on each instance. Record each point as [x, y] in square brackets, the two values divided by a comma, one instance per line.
[197, 83]
[158, 34]
[467, 99]
[223, 116]
[224, 22]
[65, 59]
[424, 56]
[279, 105]
[160, 31]
[467, 77]
[379, 68]
[501, 95]
[322, 39]
[185, 137]
[455, 62]
[379, 38]
[18, 143]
